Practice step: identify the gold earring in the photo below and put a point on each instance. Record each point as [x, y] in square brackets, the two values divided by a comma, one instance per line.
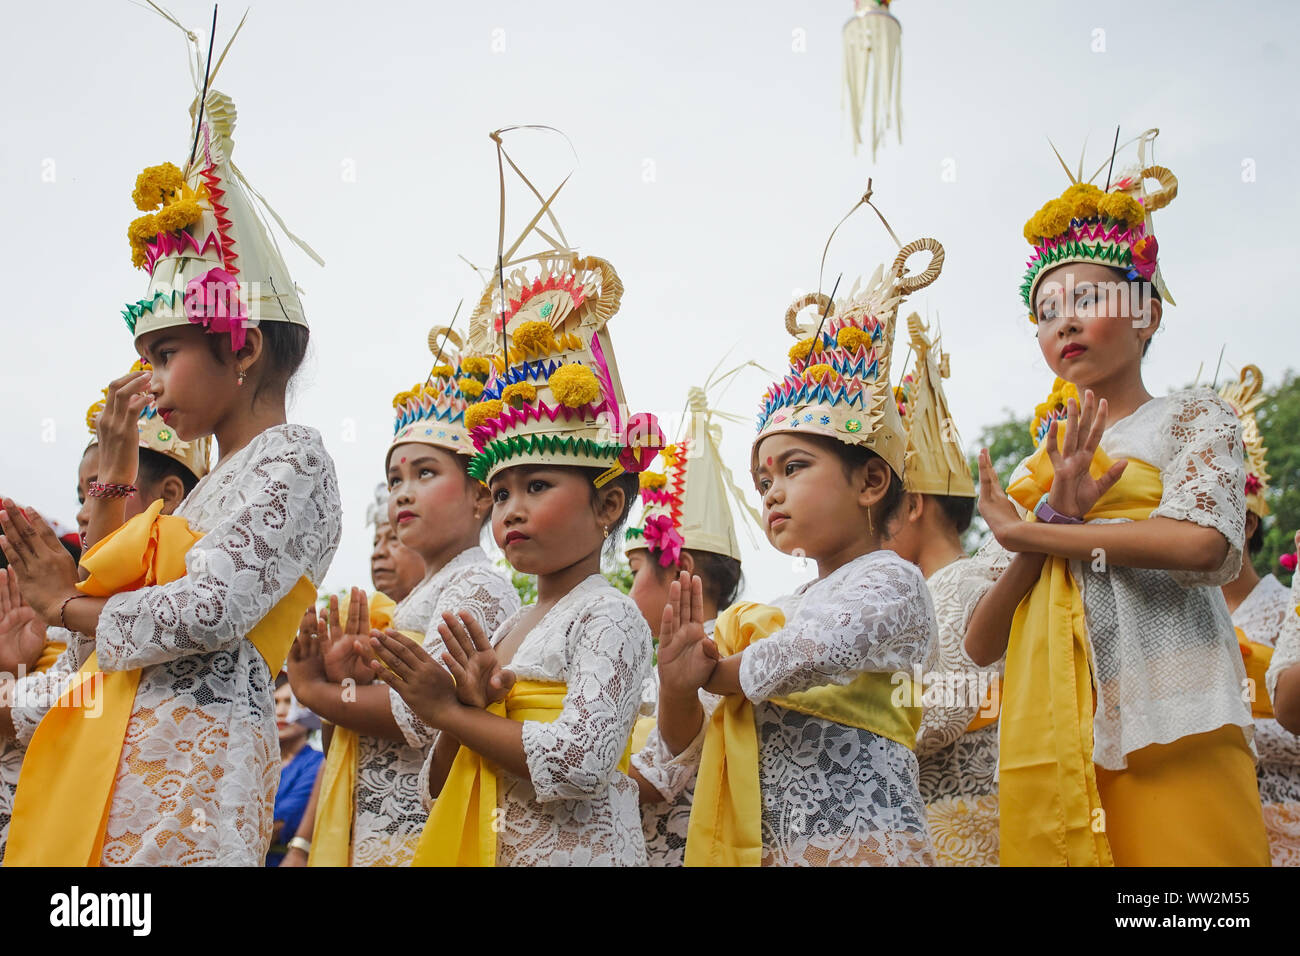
[606, 530]
[240, 379]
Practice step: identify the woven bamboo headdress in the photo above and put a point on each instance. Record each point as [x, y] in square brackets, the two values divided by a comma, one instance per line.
[1246, 395]
[210, 258]
[838, 381]
[935, 464]
[433, 412]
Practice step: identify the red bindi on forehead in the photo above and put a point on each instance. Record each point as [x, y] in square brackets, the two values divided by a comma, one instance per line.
[403, 461]
[769, 461]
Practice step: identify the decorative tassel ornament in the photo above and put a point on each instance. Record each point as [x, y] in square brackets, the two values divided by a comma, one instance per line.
[873, 72]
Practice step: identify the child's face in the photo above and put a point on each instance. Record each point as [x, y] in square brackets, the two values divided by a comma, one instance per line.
[543, 518]
[431, 502]
[650, 585]
[87, 472]
[192, 389]
[810, 508]
[1091, 327]
[289, 732]
[395, 569]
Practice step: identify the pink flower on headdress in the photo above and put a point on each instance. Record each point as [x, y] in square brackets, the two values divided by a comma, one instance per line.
[1252, 484]
[212, 301]
[643, 439]
[1288, 561]
[1145, 251]
[661, 536]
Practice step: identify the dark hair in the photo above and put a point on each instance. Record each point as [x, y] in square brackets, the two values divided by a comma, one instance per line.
[1256, 542]
[629, 481]
[720, 574]
[958, 510]
[155, 467]
[853, 457]
[284, 346]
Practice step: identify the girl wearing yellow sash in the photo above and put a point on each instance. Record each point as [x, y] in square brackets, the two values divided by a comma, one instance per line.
[1283, 676]
[1259, 608]
[169, 468]
[957, 745]
[369, 812]
[164, 751]
[1125, 728]
[539, 778]
[803, 731]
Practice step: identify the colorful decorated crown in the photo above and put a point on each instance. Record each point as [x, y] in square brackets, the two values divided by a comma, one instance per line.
[433, 413]
[838, 382]
[1109, 227]
[1245, 395]
[210, 259]
[156, 435]
[554, 397]
[935, 464]
[685, 505]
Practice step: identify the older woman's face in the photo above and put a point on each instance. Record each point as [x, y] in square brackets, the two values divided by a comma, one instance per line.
[290, 733]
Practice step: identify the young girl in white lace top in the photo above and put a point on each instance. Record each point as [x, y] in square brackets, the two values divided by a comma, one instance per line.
[438, 511]
[1141, 698]
[199, 759]
[563, 796]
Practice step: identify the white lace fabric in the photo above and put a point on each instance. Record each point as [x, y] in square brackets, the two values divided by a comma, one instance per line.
[1286, 653]
[577, 809]
[1264, 616]
[389, 815]
[1165, 657]
[201, 760]
[832, 795]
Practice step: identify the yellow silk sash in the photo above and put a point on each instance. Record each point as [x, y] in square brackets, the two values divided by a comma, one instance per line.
[990, 704]
[65, 789]
[331, 840]
[726, 814]
[1257, 657]
[49, 654]
[1050, 811]
[462, 827]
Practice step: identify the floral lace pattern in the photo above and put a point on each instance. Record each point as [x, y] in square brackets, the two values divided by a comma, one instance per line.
[1286, 652]
[577, 809]
[1262, 616]
[389, 815]
[201, 761]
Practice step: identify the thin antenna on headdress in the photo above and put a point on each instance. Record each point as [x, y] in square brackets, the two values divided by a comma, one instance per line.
[1113, 150]
[203, 96]
[864, 201]
[1061, 161]
[1218, 365]
[817, 336]
[437, 358]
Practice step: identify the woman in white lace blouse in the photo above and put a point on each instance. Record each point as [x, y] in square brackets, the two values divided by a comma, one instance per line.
[199, 755]
[1125, 733]
[1283, 677]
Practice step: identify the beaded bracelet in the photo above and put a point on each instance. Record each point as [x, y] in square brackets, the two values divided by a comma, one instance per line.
[63, 622]
[107, 489]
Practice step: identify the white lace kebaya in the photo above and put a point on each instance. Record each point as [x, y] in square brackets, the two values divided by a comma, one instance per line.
[201, 761]
[1165, 655]
[389, 815]
[832, 795]
[577, 809]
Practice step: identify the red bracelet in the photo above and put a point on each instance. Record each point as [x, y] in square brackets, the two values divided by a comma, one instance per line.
[107, 489]
[64, 606]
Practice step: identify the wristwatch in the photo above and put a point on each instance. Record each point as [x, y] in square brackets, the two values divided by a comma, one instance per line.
[1045, 512]
[300, 843]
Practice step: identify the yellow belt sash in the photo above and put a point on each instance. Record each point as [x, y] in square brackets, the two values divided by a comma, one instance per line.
[1050, 811]
[462, 827]
[331, 841]
[726, 814]
[1256, 657]
[65, 790]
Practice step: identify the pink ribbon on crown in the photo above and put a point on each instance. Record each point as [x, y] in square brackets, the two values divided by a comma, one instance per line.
[661, 536]
[212, 301]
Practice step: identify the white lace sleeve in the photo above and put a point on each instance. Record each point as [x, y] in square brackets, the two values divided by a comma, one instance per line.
[672, 774]
[956, 590]
[1205, 480]
[36, 693]
[282, 523]
[609, 654]
[1287, 652]
[876, 617]
[484, 593]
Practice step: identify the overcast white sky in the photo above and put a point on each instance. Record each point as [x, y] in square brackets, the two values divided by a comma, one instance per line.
[713, 164]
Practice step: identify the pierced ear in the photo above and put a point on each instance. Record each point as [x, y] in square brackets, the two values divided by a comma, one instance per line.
[252, 348]
[612, 502]
[686, 562]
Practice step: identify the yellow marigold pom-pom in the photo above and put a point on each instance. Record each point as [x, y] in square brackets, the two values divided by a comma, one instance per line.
[669, 455]
[653, 479]
[442, 371]
[470, 387]
[852, 339]
[401, 398]
[1121, 207]
[801, 349]
[815, 373]
[474, 365]
[178, 215]
[476, 415]
[154, 185]
[535, 337]
[141, 231]
[520, 390]
[1083, 199]
[574, 385]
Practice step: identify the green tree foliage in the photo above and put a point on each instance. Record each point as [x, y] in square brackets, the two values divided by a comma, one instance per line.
[1009, 443]
[620, 575]
[1279, 425]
